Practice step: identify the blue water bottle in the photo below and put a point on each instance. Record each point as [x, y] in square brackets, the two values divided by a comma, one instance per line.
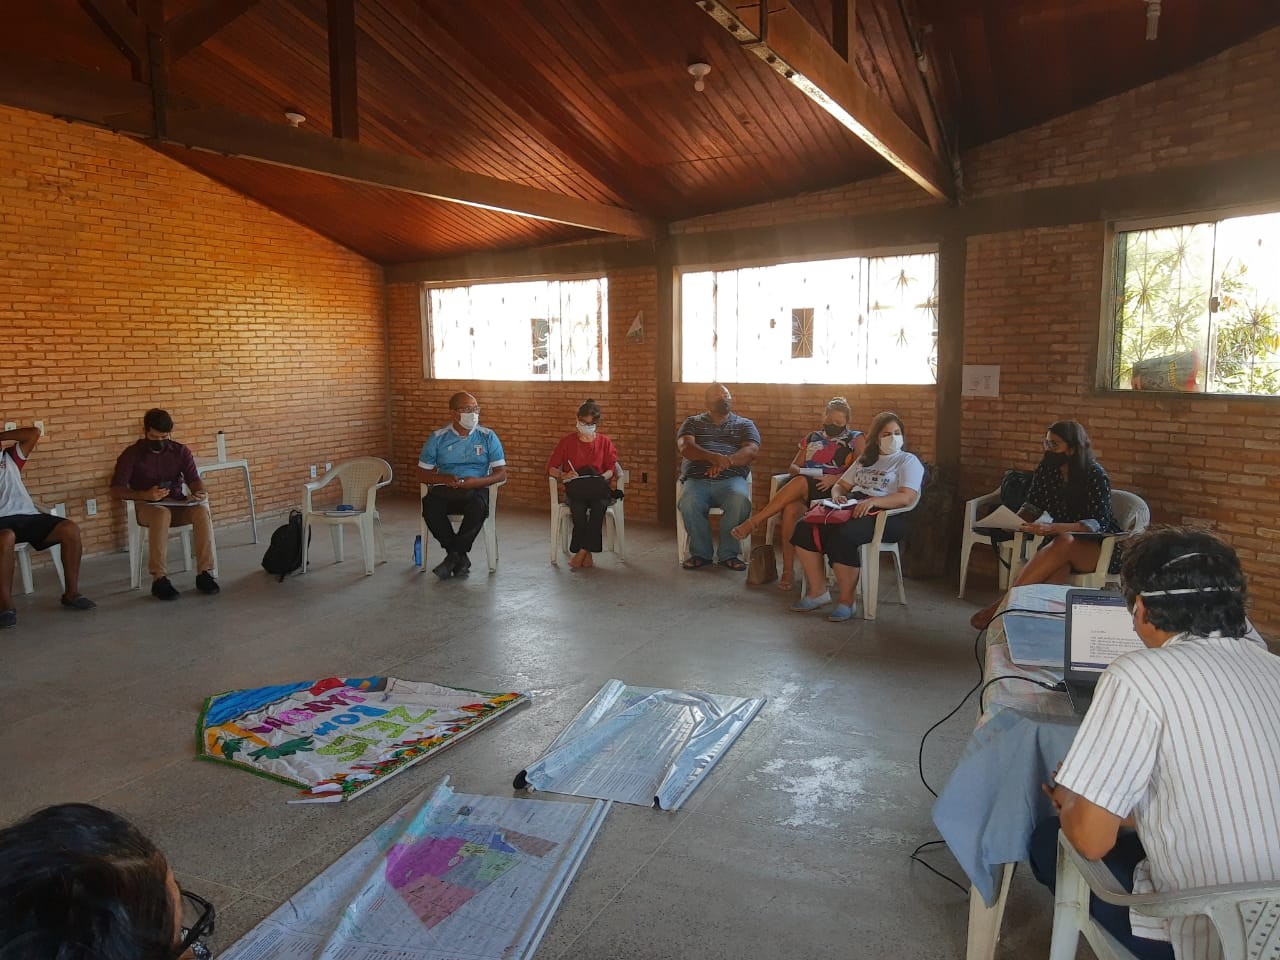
[417, 550]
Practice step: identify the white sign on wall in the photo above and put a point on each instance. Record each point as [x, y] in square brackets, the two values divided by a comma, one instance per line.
[981, 380]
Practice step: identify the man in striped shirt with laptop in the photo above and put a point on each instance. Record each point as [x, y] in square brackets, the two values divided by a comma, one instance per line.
[1181, 743]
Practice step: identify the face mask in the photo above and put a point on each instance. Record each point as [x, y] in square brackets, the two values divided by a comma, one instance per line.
[1054, 459]
[469, 421]
[722, 407]
[832, 429]
[892, 443]
[158, 446]
[588, 430]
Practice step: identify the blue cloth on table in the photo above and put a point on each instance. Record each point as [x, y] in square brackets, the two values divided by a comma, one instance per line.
[992, 801]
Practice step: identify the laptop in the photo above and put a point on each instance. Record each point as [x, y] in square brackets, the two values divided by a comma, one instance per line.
[1099, 629]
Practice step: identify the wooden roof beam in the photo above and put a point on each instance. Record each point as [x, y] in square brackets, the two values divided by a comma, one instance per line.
[344, 113]
[190, 30]
[797, 51]
[74, 93]
[122, 26]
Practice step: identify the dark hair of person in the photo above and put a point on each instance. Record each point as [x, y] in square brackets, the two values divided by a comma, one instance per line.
[1184, 558]
[1073, 434]
[872, 453]
[158, 420]
[81, 883]
[841, 404]
[589, 408]
[456, 400]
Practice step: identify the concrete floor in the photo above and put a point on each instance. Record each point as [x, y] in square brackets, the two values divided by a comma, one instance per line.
[796, 845]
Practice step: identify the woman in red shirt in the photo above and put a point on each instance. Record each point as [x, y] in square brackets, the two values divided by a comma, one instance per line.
[587, 464]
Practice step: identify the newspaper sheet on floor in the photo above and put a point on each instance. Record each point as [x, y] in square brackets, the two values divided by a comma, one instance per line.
[340, 736]
[642, 745]
[458, 877]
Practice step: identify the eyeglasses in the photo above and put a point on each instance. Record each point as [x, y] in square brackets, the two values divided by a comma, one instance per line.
[198, 916]
[474, 408]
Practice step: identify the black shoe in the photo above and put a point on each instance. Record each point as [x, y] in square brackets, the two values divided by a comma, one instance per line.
[461, 565]
[162, 589]
[206, 584]
[444, 569]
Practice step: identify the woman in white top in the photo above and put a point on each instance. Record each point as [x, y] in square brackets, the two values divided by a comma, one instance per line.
[883, 478]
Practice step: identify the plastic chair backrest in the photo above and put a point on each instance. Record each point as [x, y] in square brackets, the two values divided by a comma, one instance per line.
[1130, 510]
[359, 475]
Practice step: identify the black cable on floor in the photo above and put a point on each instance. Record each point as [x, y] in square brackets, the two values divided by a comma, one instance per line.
[915, 855]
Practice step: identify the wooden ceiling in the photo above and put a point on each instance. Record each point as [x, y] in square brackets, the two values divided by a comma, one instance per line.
[591, 98]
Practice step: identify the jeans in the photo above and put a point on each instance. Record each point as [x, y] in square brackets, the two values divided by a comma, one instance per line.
[697, 497]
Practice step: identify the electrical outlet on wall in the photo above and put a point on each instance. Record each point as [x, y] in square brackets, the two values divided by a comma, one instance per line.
[39, 425]
[91, 507]
[328, 465]
[11, 425]
[313, 471]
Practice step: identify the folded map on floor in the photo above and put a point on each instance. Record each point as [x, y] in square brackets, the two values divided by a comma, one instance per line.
[642, 745]
[336, 738]
[455, 878]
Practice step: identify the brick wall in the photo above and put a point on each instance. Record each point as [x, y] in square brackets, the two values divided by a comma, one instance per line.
[128, 281]
[531, 417]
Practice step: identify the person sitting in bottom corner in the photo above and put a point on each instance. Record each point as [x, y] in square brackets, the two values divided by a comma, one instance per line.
[885, 477]
[587, 464]
[22, 522]
[718, 447]
[460, 461]
[1180, 744]
[81, 883]
[151, 472]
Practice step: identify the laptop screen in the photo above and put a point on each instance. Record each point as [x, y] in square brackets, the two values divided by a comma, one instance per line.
[1099, 629]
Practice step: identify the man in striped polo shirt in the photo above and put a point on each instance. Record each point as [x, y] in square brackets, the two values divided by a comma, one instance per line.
[1181, 742]
[718, 447]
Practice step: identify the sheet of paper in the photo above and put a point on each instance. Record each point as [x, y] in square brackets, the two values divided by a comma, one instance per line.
[1035, 641]
[1040, 599]
[809, 471]
[178, 503]
[459, 877]
[1001, 519]
[641, 745]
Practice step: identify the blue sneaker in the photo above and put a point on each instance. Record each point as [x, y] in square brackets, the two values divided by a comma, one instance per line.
[808, 604]
[841, 612]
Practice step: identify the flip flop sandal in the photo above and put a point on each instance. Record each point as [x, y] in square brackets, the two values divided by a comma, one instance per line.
[734, 563]
[696, 563]
[79, 602]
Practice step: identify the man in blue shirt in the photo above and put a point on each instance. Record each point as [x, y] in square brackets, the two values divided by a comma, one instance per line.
[718, 447]
[460, 462]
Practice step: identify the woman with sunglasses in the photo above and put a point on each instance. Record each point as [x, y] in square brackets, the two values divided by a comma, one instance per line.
[1072, 488]
[586, 463]
[81, 883]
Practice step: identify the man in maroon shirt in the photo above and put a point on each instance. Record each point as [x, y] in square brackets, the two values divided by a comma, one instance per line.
[152, 471]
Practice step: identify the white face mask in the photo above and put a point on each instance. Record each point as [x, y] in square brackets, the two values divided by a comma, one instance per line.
[588, 430]
[469, 421]
[892, 443]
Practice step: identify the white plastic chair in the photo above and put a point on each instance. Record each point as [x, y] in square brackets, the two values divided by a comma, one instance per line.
[23, 554]
[139, 545]
[488, 533]
[1131, 513]
[1246, 916]
[562, 522]
[981, 506]
[682, 535]
[776, 483]
[361, 480]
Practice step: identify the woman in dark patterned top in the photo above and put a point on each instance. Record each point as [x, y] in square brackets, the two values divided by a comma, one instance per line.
[1072, 488]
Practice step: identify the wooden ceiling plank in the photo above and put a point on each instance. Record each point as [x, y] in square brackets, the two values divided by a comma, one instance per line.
[344, 111]
[76, 95]
[894, 31]
[797, 51]
[844, 28]
[190, 30]
[121, 25]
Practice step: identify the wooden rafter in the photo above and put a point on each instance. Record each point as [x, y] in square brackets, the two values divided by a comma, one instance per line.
[844, 28]
[797, 51]
[74, 93]
[893, 31]
[342, 69]
[190, 30]
[121, 25]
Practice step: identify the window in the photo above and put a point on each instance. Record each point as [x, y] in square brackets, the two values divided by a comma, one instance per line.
[531, 330]
[1196, 307]
[853, 320]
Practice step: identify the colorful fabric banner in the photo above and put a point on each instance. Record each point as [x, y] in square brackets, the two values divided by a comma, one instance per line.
[336, 738]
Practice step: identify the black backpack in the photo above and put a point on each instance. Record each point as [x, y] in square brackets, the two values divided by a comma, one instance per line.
[284, 554]
[1014, 488]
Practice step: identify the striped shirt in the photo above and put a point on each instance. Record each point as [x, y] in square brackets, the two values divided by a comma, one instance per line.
[1186, 737]
[728, 438]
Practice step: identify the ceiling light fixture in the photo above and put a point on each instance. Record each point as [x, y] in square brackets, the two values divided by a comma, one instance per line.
[1153, 18]
[295, 118]
[699, 73]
